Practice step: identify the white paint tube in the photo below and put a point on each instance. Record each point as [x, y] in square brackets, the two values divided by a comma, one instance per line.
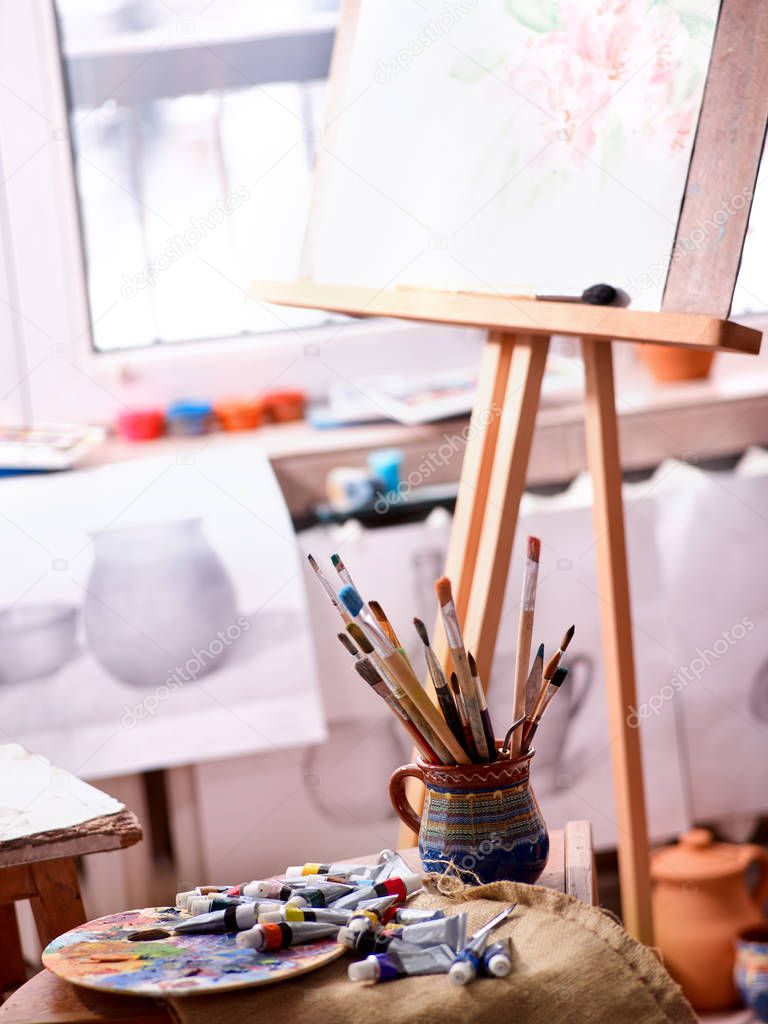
[447, 931]
[268, 938]
[233, 919]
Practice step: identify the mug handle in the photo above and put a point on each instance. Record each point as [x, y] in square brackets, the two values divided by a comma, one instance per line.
[759, 856]
[397, 795]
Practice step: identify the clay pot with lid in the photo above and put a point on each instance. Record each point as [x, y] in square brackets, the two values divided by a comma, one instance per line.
[701, 899]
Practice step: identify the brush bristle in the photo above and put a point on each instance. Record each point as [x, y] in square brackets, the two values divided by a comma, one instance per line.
[368, 672]
[443, 590]
[567, 638]
[454, 680]
[540, 652]
[559, 677]
[421, 629]
[359, 637]
[313, 563]
[534, 548]
[336, 559]
[378, 611]
[351, 600]
[472, 663]
[347, 644]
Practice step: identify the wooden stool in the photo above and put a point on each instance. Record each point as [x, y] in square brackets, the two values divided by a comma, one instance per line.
[41, 867]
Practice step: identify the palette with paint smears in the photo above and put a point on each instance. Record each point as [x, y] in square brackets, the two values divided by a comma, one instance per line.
[100, 955]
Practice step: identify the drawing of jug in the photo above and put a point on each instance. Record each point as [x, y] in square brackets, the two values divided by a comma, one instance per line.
[156, 598]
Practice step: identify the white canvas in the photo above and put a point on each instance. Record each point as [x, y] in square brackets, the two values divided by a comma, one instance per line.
[511, 145]
[154, 614]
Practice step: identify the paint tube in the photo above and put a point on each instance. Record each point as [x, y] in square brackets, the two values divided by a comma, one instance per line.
[233, 919]
[497, 959]
[272, 888]
[372, 913]
[291, 913]
[268, 938]
[402, 887]
[339, 870]
[447, 931]
[392, 867]
[404, 963]
[413, 915]
[183, 898]
[321, 895]
[468, 962]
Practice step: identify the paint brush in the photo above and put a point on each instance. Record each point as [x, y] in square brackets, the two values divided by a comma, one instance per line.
[348, 646]
[533, 683]
[525, 631]
[554, 661]
[368, 672]
[485, 714]
[459, 656]
[555, 683]
[442, 690]
[458, 700]
[436, 733]
[384, 623]
[328, 589]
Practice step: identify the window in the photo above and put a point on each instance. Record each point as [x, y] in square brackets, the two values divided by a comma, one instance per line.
[193, 130]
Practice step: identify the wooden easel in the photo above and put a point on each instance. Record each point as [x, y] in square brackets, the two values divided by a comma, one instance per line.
[493, 478]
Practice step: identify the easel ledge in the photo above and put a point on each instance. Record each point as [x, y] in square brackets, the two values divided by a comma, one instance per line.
[517, 316]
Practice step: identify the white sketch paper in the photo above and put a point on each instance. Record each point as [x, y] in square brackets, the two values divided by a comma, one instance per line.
[154, 614]
[514, 146]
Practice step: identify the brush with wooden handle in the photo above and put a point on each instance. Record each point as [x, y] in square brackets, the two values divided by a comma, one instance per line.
[485, 714]
[439, 736]
[557, 680]
[442, 690]
[460, 663]
[524, 633]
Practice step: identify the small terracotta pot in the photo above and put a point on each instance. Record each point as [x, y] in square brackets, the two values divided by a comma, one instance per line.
[481, 820]
[668, 363]
[701, 900]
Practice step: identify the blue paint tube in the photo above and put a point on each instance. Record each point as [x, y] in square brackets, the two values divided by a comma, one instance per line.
[497, 959]
[469, 961]
[228, 921]
[407, 962]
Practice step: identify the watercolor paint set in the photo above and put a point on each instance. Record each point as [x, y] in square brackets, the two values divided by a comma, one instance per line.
[220, 938]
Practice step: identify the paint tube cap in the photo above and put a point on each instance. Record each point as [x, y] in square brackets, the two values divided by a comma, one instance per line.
[364, 970]
[253, 938]
[359, 924]
[499, 965]
[461, 972]
[271, 917]
[348, 937]
[412, 883]
[198, 905]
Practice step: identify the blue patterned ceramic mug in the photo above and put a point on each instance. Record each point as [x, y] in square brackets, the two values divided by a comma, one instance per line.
[751, 970]
[480, 819]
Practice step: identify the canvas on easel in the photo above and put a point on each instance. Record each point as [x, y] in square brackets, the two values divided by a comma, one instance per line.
[525, 256]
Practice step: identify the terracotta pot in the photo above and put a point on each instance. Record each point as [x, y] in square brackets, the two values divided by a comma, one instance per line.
[668, 363]
[701, 901]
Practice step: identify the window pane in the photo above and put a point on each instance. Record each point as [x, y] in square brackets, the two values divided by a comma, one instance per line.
[193, 126]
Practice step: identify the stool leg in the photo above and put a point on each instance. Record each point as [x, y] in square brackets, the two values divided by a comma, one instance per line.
[13, 971]
[58, 905]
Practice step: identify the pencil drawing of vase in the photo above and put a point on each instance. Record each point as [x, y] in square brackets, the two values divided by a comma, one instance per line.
[157, 596]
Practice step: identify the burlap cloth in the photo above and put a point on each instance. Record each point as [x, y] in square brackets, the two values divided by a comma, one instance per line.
[573, 964]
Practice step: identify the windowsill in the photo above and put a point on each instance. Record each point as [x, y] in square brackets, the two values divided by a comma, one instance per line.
[694, 420]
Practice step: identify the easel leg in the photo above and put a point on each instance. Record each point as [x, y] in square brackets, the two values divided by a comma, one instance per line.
[613, 586]
[505, 489]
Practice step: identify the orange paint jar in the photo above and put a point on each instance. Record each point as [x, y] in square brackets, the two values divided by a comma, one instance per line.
[240, 413]
[285, 406]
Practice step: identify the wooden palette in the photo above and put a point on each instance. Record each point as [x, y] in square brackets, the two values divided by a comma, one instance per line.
[99, 955]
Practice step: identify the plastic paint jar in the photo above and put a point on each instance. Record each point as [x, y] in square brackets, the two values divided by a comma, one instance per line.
[240, 413]
[189, 417]
[141, 424]
[284, 406]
